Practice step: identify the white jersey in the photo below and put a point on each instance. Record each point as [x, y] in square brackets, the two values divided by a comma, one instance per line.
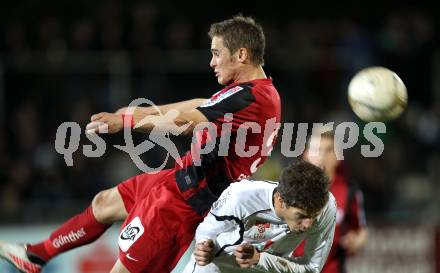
[245, 213]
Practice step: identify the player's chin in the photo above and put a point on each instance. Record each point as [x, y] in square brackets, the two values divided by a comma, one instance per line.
[222, 80]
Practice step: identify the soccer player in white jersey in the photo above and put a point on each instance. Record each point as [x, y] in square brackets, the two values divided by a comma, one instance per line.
[255, 225]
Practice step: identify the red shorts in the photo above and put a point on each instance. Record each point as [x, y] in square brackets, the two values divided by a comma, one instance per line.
[160, 224]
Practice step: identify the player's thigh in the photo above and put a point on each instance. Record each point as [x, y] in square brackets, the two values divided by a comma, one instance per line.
[138, 187]
[119, 268]
[152, 237]
[146, 240]
[108, 206]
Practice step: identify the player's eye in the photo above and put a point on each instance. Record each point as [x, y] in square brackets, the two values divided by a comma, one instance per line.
[301, 216]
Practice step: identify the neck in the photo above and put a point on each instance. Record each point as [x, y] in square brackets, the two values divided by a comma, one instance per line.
[253, 73]
[330, 173]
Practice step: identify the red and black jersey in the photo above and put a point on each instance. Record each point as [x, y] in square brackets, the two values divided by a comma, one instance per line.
[253, 110]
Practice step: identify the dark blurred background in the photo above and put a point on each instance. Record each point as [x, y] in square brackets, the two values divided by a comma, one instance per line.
[63, 61]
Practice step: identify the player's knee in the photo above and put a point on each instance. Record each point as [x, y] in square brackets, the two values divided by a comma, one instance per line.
[102, 207]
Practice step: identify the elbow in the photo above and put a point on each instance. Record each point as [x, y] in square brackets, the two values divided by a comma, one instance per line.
[315, 268]
[186, 127]
[189, 130]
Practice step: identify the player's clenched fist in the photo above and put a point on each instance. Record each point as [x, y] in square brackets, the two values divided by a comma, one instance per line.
[105, 123]
[246, 255]
[204, 252]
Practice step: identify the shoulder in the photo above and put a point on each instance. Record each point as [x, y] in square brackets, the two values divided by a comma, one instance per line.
[328, 213]
[247, 186]
[263, 85]
[251, 192]
[228, 92]
[266, 94]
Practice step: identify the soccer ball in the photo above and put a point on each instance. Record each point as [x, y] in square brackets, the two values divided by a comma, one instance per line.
[377, 94]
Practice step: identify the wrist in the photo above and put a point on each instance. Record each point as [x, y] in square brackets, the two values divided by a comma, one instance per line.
[127, 121]
[146, 111]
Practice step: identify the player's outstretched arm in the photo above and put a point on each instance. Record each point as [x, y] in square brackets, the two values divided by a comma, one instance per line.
[176, 118]
[181, 106]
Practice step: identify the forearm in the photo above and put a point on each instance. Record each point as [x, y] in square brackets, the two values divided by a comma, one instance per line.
[181, 106]
[172, 119]
[173, 122]
[276, 264]
[213, 225]
[210, 228]
[169, 118]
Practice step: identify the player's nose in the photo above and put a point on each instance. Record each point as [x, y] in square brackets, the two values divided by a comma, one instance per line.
[212, 63]
[307, 223]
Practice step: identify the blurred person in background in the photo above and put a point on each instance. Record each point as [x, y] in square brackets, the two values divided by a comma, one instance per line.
[351, 231]
[169, 204]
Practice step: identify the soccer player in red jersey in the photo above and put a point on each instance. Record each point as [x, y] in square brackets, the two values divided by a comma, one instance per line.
[162, 210]
[351, 232]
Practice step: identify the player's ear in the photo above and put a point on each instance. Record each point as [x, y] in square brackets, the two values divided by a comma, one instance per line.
[278, 200]
[243, 54]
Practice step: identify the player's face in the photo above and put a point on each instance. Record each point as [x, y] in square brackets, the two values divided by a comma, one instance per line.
[322, 154]
[297, 219]
[225, 64]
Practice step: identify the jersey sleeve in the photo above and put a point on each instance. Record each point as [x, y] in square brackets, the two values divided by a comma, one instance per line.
[225, 215]
[317, 247]
[232, 101]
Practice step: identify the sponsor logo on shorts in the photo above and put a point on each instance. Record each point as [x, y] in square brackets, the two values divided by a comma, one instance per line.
[130, 234]
[73, 236]
[131, 258]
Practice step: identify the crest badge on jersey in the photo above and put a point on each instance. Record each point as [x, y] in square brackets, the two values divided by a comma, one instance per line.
[130, 234]
[218, 98]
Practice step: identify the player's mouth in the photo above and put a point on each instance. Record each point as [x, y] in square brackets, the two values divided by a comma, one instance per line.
[299, 230]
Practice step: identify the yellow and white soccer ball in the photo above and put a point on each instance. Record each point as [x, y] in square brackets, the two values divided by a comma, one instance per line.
[377, 94]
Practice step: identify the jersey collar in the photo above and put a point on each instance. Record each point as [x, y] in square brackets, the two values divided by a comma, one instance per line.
[256, 81]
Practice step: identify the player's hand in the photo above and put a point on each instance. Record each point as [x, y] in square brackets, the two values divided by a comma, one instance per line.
[351, 242]
[246, 255]
[105, 123]
[204, 252]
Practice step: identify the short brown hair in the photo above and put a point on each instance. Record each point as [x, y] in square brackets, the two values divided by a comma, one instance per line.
[305, 186]
[241, 32]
